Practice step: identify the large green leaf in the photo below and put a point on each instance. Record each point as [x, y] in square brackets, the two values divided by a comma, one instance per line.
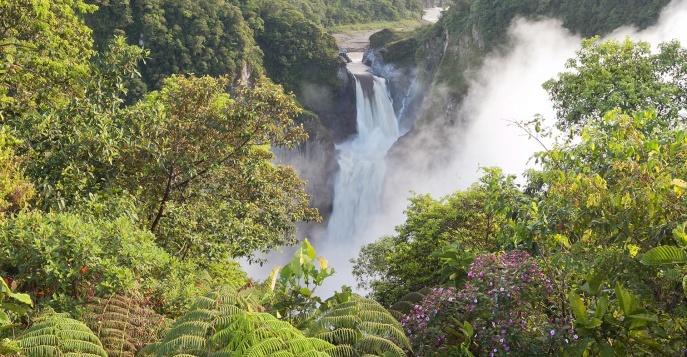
[605, 350]
[664, 254]
[680, 235]
[578, 308]
[627, 302]
[601, 307]
[303, 259]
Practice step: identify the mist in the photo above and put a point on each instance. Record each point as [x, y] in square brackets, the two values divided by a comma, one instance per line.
[507, 88]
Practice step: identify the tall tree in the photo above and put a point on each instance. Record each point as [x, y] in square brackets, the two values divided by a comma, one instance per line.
[44, 53]
[620, 74]
[201, 166]
[296, 49]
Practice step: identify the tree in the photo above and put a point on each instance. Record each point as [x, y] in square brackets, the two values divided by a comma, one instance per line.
[397, 265]
[44, 54]
[71, 146]
[207, 37]
[623, 75]
[200, 165]
[296, 49]
[15, 190]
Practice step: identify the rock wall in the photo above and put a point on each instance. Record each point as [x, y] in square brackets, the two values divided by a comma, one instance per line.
[330, 118]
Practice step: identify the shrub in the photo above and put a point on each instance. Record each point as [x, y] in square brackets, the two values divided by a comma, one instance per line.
[506, 300]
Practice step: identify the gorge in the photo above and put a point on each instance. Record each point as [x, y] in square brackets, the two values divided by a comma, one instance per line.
[437, 158]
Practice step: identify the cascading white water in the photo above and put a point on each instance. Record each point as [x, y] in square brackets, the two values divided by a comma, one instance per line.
[361, 162]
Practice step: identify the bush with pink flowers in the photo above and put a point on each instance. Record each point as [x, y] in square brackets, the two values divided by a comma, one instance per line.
[507, 301]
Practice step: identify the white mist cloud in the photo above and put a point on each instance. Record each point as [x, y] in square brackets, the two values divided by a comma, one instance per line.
[670, 25]
[508, 87]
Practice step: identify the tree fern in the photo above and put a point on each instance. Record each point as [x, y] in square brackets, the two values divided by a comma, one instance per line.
[123, 323]
[407, 303]
[363, 325]
[58, 335]
[216, 327]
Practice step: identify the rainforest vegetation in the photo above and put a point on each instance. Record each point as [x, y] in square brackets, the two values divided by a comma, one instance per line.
[135, 167]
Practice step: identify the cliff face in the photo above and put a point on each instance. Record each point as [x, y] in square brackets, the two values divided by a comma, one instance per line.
[315, 162]
[330, 118]
[334, 106]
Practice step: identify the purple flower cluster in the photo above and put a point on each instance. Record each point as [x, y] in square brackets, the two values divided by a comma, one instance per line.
[507, 301]
[512, 309]
[424, 324]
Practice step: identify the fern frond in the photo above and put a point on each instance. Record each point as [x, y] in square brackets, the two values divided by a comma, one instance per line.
[346, 321]
[425, 291]
[383, 317]
[665, 254]
[313, 354]
[221, 354]
[397, 314]
[282, 354]
[265, 347]
[387, 331]
[378, 346]
[342, 351]
[340, 336]
[58, 335]
[216, 329]
[362, 324]
[187, 344]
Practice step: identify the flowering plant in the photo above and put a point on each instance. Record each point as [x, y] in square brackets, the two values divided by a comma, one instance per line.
[508, 303]
[506, 300]
[425, 324]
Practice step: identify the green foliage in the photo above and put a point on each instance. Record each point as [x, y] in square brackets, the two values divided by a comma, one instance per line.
[15, 190]
[291, 289]
[610, 326]
[123, 323]
[200, 164]
[44, 54]
[621, 171]
[454, 264]
[208, 37]
[362, 326]
[66, 256]
[340, 12]
[12, 305]
[624, 75]
[396, 265]
[216, 326]
[231, 38]
[71, 150]
[297, 51]
[54, 334]
[670, 256]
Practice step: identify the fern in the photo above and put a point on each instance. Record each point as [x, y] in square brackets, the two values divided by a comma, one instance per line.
[123, 323]
[407, 303]
[216, 327]
[363, 325]
[665, 254]
[58, 335]
[379, 346]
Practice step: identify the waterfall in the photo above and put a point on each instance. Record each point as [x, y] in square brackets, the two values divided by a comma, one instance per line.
[362, 167]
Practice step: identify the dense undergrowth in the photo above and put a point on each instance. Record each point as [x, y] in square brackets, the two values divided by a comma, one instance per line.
[121, 213]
